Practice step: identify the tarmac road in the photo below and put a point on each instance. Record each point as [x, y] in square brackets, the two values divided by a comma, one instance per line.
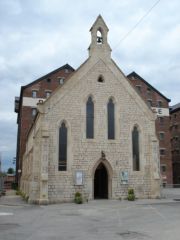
[101, 219]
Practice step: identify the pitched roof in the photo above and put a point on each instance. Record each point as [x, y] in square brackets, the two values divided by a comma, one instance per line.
[66, 66]
[135, 75]
[101, 19]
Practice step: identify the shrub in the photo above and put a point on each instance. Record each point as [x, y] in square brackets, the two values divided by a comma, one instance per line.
[131, 194]
[78, 198]
[18, 192]
[130, 191]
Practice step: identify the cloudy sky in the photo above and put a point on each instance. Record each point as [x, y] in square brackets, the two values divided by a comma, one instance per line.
[38, 36]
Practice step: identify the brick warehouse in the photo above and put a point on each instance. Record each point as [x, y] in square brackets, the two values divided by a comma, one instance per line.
[175, 142]
[159, 104]
[84, 138]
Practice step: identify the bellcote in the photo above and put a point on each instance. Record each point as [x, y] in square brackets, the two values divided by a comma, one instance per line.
[99, 45]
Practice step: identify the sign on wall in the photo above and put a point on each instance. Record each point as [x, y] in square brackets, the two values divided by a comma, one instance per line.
[124, 177]
[162, 112]
[79, 177]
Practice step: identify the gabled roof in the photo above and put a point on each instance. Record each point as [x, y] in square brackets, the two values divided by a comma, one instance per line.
[66, 66]
[135, 75]
[101, 19]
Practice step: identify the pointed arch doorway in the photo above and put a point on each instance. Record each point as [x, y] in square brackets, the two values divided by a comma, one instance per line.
[101, 182]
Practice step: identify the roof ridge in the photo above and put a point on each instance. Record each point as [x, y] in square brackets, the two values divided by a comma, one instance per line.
[142, 79]
[48, 74]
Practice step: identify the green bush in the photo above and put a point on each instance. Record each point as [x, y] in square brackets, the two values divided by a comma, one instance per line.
[78, 198]
[130, 191]
[131, 195]
[18, 192]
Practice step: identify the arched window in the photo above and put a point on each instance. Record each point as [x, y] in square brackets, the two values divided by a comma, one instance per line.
[135, 149]
[111, 119]
[90, 118]
[63, 147]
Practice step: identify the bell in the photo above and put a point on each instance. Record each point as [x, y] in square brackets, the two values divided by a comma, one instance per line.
[99, 39]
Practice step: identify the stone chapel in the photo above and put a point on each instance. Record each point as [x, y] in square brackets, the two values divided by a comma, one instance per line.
[94, 135]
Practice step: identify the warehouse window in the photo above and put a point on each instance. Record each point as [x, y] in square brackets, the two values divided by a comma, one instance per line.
[61, 80]
[159, 104]
[48, 80]
[90, 118]
[161, 135]
[135, 149]
[34, 111]
[149, 102]
[161, 120]
[163, 168]
[138, 88]
[63, 147]
[48, 93]
[34, 94]
[149, 92]
[162, 151]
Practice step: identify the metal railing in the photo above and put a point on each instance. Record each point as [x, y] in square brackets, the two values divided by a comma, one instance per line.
[2, 191]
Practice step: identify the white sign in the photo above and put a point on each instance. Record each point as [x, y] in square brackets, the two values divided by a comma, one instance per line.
[124, 177]
[79, 178]
[31, 102]
[162, 112]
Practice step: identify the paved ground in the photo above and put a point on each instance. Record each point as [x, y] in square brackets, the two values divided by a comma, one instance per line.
[101, 219]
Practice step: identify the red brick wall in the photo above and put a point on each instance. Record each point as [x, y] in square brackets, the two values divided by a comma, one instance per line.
[175, 145]
[165, 143]
[43, 85]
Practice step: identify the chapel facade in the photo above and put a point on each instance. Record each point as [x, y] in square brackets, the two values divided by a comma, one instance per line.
[94, 134]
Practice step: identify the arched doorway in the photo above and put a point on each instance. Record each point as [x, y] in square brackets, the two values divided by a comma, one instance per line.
[101, 182]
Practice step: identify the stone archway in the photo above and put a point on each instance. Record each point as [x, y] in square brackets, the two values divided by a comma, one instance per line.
[101, 182]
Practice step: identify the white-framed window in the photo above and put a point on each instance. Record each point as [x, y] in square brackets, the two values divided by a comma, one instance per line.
[48, 93]
[34, 93]
[34, 111]
[61, 80]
